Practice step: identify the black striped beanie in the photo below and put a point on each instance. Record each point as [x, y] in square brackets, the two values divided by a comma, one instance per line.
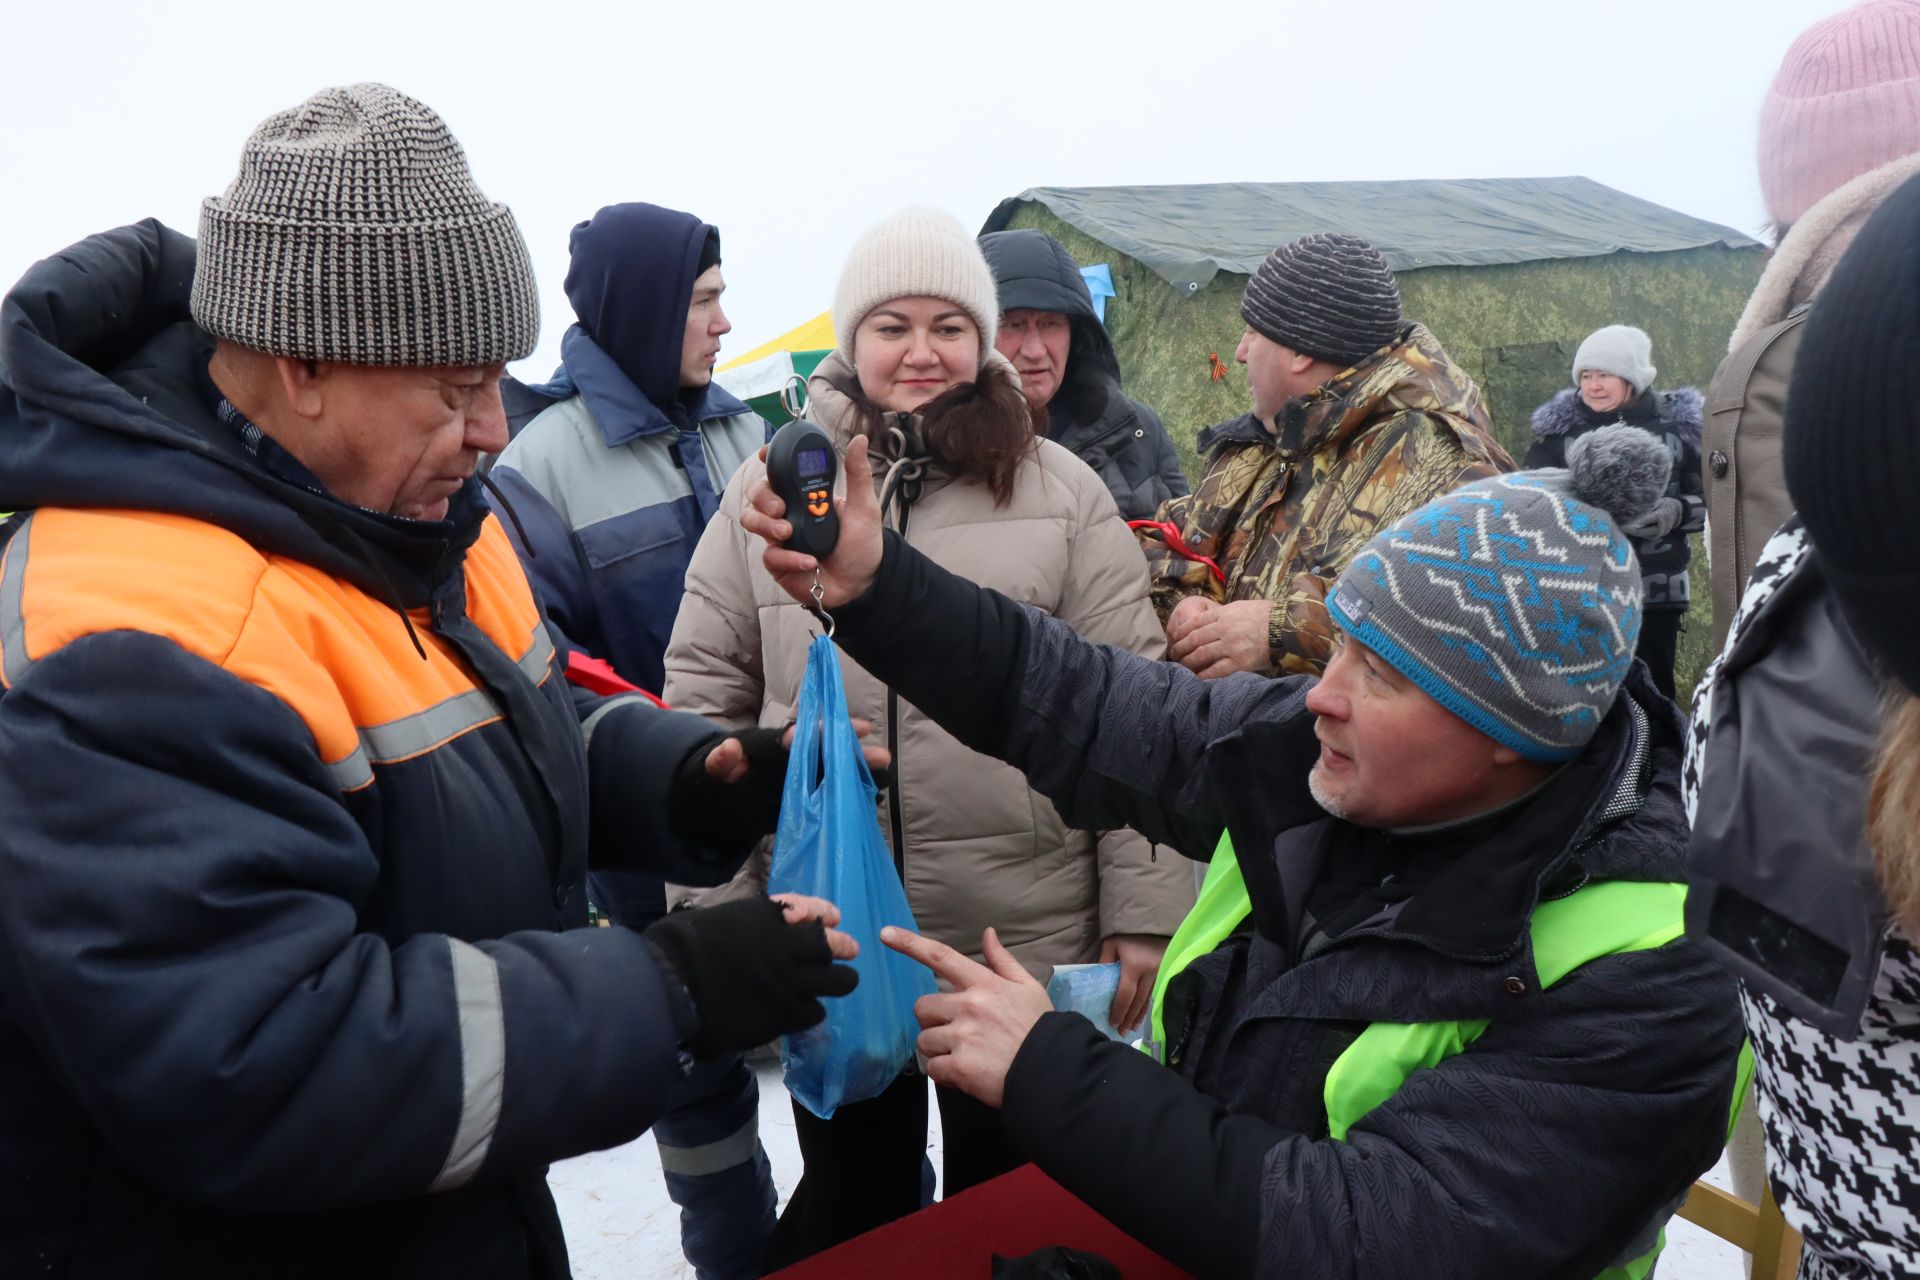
[1327, 295]
[354, 232]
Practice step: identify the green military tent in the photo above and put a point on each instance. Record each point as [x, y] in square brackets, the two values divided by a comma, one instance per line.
[1509, 273]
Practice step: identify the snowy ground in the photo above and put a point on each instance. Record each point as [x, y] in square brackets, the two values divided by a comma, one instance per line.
[621, 1226]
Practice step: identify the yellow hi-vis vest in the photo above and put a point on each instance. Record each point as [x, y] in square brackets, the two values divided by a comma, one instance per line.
[1217, 912]
[1602, 919]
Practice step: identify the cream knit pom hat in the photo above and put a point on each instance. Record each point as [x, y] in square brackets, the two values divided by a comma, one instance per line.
[916, 253]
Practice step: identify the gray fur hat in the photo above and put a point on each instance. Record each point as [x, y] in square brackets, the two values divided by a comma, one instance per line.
[1621, 350]
[1515, 602]
[354, 232]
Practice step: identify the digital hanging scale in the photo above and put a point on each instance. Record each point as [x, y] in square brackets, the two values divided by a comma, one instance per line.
[801, 467]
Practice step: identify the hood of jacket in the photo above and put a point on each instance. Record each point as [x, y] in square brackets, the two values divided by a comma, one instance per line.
[1415, 374]
[102, 406]
[619, 409]
[1679, 410]
[629, 278]
[1783, 887]
[1033, 271]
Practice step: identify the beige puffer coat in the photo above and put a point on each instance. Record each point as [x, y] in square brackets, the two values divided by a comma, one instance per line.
[981, 848]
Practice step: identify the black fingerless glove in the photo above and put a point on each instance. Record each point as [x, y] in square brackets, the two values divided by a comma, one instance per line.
[710, 814]
[751, 976]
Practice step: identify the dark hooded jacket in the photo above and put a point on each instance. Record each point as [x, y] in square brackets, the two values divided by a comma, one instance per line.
[1121, 439]
[619, 471]
[1672, 417]
[297, 810]
[1552, 1145]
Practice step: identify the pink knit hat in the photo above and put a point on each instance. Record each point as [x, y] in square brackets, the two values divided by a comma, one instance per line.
[1846, 101]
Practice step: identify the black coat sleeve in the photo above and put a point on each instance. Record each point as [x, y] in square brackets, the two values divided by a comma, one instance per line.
[1546, 451]
[636, 753]
[1543, 1149]
[1097, 1116]
[1693, 489]
[180, 941]
[1112, 738]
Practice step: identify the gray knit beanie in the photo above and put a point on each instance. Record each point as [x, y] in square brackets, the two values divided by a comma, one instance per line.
[354, 232]
[1621, 350]
[916, 253]
[1515, 602]
[1326, 295]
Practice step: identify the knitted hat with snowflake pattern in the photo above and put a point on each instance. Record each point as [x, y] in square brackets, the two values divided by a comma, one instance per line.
[1515, 602]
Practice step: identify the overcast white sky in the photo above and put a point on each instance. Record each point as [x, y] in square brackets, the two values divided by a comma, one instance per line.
[793, 125]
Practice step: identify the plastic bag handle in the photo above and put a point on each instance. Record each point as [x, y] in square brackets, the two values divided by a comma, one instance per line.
[823, 705]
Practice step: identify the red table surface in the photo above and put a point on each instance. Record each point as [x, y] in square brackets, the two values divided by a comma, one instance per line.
[1011, 1215]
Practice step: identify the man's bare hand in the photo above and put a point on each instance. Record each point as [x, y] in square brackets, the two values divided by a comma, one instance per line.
[1188, 614]
[973, 1032]
[850, 570]
[1232, 637]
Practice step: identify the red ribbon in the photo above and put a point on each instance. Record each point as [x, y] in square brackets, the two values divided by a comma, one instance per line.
[597, 676]
[1170, 534]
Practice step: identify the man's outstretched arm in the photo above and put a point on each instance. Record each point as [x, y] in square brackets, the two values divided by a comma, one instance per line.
[1113, 739]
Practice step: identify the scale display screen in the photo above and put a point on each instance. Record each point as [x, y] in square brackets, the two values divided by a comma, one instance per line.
[811, 461]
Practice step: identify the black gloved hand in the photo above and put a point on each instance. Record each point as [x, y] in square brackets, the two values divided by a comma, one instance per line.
[710, 814]
[750, 975]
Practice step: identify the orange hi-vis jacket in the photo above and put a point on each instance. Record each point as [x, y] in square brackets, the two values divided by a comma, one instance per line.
[297, 812]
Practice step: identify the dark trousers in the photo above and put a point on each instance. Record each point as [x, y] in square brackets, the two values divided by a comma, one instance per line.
[717, 1171]
[861, 1169]
[1660, 645]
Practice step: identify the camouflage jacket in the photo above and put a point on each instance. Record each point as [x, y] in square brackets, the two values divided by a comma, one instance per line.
[1282, 511]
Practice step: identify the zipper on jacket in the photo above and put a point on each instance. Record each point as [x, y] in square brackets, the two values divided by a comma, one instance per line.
[897, 819]
[893, 746]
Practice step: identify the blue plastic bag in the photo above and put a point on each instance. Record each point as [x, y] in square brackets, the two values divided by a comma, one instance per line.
[829, 845]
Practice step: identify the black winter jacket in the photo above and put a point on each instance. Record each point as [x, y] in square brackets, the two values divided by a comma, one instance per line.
[298, 808]
[1674, 418]
[1121, 439]
[1549, 1147]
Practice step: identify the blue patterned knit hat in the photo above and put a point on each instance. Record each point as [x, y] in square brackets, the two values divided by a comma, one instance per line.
[1515, 602]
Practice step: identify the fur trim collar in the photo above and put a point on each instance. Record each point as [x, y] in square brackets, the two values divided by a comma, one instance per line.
[1799, 266]
[1680, 409]
[1558, 416]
